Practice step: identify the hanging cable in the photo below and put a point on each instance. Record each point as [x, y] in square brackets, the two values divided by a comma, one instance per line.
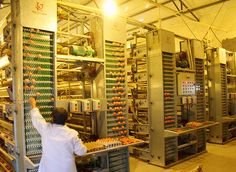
[216, 36]
[188, 27]
[178, 14]
[214, 19]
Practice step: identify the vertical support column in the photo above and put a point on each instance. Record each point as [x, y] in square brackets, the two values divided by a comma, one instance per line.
[161, 91]
[17, 74]
[218, 94]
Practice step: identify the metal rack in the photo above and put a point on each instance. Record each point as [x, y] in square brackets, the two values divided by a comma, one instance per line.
[109, 82]
[222, 91]
[38, 70]
[138, 95]
[116, 102]
[115, 89]
[172, 94]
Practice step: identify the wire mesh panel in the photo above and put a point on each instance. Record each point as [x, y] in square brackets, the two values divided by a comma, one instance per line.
[170, 150]
[118, 161]
[38, 69]
[201, 137]
[116, 89]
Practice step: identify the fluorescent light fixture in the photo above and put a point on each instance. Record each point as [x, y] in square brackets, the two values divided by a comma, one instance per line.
[4, 61]
[109, 7]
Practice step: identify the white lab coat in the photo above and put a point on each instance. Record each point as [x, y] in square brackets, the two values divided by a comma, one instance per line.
[59, 144]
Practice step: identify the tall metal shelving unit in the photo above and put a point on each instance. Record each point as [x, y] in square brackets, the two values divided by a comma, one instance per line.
[35, 70]
[221, 94]
[33, 60]
[161, 91]
[138, 95]
[116, 102]
[175, 124]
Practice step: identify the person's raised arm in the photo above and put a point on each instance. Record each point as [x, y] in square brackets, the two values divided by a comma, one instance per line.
[37, 119]
[79, 147]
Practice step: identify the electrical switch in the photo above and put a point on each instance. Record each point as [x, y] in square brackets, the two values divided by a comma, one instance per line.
[85, 105]
[75, 106]
[96, 104]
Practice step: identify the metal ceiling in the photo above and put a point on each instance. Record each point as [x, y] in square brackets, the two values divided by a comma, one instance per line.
[191, 18]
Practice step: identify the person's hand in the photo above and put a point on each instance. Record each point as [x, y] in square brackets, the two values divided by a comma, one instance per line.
[32, 102]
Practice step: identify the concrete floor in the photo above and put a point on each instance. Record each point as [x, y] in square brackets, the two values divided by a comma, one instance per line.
[219, 158]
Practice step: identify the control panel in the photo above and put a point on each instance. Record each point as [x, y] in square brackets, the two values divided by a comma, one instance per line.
[186, 84]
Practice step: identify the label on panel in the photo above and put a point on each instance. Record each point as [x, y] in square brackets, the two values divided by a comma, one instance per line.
[40, 14]
[186, 84]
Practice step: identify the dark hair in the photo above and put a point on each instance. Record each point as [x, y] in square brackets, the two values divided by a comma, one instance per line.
[59, 116]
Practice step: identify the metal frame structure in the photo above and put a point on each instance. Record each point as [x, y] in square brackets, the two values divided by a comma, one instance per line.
[137, 79]
[169, 141]
[23, 162]
[109, 45]
[221, 95]
[160, 51]
[179, 12]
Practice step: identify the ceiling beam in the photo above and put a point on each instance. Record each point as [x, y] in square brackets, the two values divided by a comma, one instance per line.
[184, 12]
[181, 8]
[148, 9]
[176, 6]
[122, 3]
[88, 2]
[169, 8]
[194, 15]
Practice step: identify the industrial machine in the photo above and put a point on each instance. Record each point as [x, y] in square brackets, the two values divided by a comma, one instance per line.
[93, 85]
[221, 69]
[138, 106]
[167, 98]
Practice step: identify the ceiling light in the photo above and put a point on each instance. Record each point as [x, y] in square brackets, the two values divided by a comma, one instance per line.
[141, 19]
[126, 9]
[4, 61]
[109, 7]
[147, 5]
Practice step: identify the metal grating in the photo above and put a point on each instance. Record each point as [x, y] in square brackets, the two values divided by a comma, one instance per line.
[170, 150]
[225, 135]
[223, 89]
[38, 69]
[169, 90]
[116, 89]
[200, 90]
[201, 137]
[118, 160]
